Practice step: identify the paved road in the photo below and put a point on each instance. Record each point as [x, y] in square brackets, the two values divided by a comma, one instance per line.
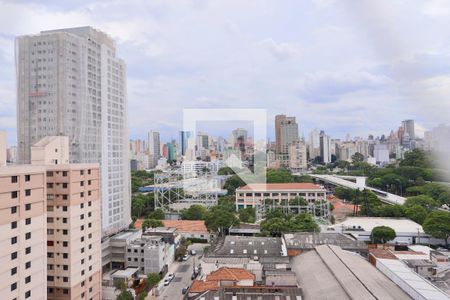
[183, 271]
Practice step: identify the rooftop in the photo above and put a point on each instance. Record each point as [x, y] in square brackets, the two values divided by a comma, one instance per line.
[305, 240]
[412, 263]
[186, 225]
[200, 286]
[230, 274]
[127, 273]
[329, 272]
[280, 187]
[253, 293]
[243, 246]
[368, 223]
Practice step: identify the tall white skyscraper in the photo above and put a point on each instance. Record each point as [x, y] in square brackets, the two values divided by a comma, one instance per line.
[70, 82]
[154, 149]
[325, 146]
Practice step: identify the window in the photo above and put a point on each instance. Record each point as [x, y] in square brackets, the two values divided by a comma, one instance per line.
[28, 206]
[28, 294]
[64, 220]
[14, 240]
[89, 182]
[14, 225]
[28, 265]
[65, 291]
[89, 172]
[89, 193]
[28, 235]
[81, 194]
[13, 209]
[65, 267]
[50, 243]
[50, 278]
[65, 232]
[81, 172]
[13, 271]
[13, 286]
[50, 220]
[27, 221]
[27, 177]
[64, 208]
[82, 217]
[27, 279]
[13, 255]
[65, 244]
[64, 197]
[90, 203]
[82, 239]
[81, 183]
[27, 192]
[65, 255]
[49, 173]
[27, 250]
[49, 185]
[81, 205]
[65, 185]
[50, 254]
[65, 173]
[14, 194]
[13, 179]
[66, 279]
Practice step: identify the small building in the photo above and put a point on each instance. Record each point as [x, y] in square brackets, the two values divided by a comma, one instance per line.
[245, 229]
[190, 229]
[280, 278]
[423, 267]
[406, 230]
[149, 254]
[223, 277]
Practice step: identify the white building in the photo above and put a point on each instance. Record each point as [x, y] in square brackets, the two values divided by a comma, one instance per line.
[195, 166]
[381, 153]
[151, 254]
[70, 82]
[154, 149]
[325, 147]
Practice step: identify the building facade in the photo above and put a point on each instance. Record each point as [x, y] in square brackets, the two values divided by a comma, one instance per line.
[24, 232]
[154, 149]
[70, 82]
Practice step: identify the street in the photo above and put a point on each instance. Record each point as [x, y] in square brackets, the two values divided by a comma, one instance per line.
[183, 271]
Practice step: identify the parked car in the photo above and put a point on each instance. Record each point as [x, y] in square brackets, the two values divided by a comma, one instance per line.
[185, 257]
[193, 252]
[193, 276]
[166, 282]
[184, 290]
[171, 276]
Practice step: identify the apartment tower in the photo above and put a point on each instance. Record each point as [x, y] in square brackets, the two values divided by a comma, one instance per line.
[23, 228]
[70, 82]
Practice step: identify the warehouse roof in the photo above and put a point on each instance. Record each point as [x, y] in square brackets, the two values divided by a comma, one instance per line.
[306, 240]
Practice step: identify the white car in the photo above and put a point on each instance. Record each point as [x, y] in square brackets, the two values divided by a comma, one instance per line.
[171, 276]
[166, 282]
[193, 252]
[185, 257]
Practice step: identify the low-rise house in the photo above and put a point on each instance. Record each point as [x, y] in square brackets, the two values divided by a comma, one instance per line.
[423, 267]
[190, 229]
[151, 254]
[223, 277]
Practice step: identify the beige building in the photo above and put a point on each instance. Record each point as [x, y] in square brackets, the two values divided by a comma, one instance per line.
[23, 232]
[298, 161]
[254, 195]
[73, 222]
[74, 232]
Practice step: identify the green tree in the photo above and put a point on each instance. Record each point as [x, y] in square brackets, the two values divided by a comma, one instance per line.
[194, 212]
[303, 178]
[219, 219]
[232, 183]
[298, 201]
[423, 200]
[357, 157]
[120, 285]
[151, 223]
[382, 234]
[279, 176]
[226, 171]
[143, 295]
[415, 158]
[303, 223]
[437, 224]
[152, 280]
[158, 214]
[392, 211]
[247, 215]
[125, 295]
[274, 226]
[416, 213]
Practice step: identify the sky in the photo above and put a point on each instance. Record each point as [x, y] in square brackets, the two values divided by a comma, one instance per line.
[358, 67]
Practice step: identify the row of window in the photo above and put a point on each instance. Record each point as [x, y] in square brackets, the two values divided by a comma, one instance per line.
[15, 194]
[15, 179]
[27, 293]
[14, 208]
[65, 173]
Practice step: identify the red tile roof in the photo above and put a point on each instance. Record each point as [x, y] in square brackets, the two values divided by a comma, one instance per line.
[138, 223]
[230, 274]
[280, 186]
[186, 225]
[200, 286]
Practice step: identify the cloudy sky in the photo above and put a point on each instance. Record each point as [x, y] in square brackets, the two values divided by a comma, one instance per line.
[342, 66]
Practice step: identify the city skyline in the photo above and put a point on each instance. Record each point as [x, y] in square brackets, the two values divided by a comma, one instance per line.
[360, 90]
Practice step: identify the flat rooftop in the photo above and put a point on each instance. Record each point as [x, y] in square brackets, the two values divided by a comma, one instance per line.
[127, 273]
[368, 223]
[246, 246]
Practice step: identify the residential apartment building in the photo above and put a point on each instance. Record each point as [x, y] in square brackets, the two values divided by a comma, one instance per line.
[154, 149]
[74, 232]
[298, 161]
[70, 82]
[151, 254]
[24, 233]
[286, 132]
